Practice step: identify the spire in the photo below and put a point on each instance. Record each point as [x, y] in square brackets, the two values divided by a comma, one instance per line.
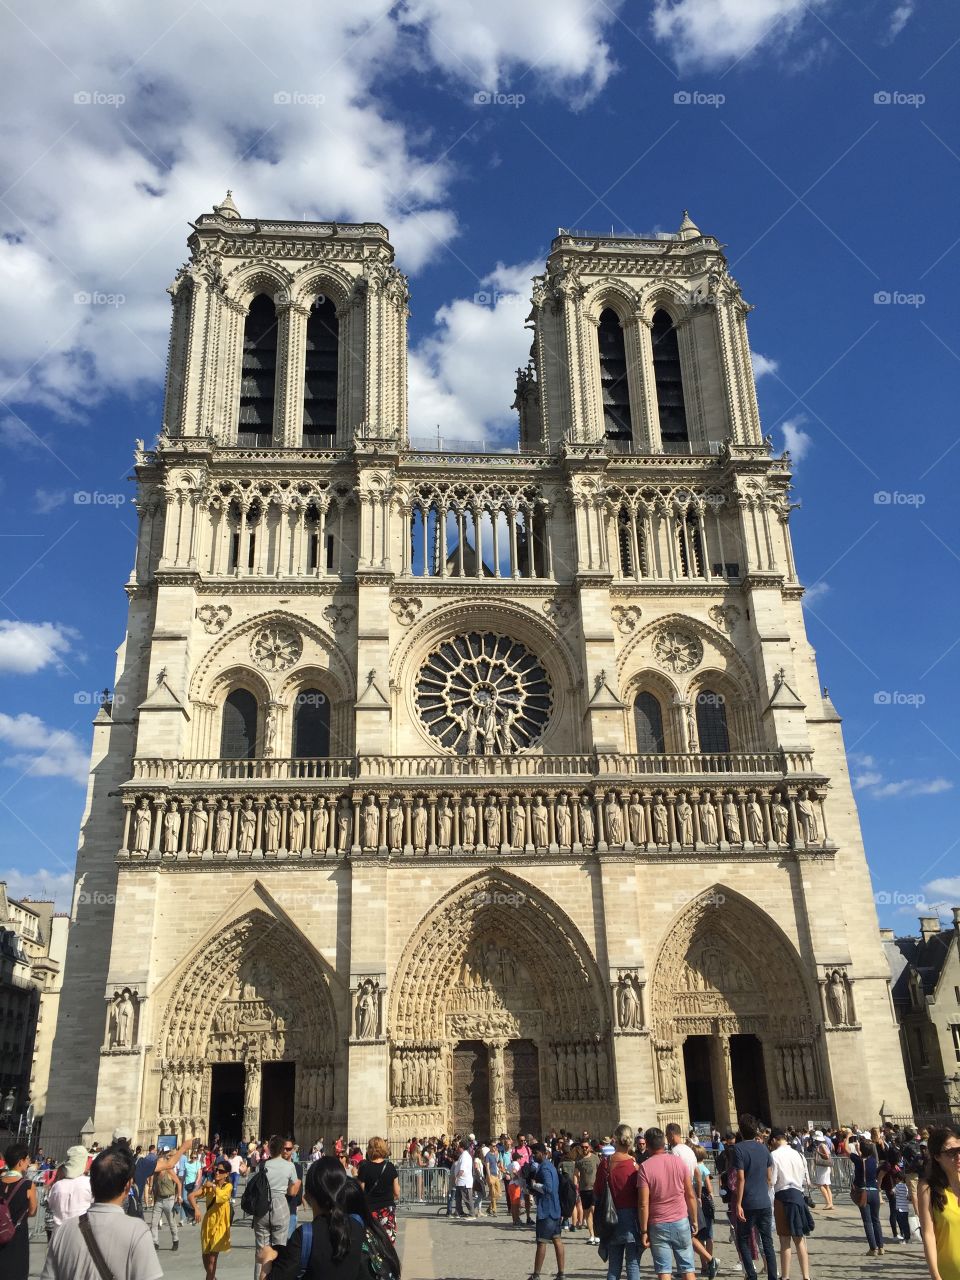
[227, 209]
[688, 228]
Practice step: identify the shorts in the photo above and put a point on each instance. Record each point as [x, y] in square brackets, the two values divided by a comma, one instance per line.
[586, 1199]
[267, 1231]
[670, 1243]
[548, 1228]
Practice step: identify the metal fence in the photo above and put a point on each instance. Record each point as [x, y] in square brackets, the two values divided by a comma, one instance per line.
[423, 1186]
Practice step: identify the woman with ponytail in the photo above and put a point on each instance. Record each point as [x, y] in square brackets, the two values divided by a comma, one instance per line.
[342, 1242]
[938, 1197]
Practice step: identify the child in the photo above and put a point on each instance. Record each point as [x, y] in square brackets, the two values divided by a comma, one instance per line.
[215, 1229]
[901, 1193]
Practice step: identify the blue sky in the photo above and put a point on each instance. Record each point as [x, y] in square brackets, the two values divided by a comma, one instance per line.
[816, 140]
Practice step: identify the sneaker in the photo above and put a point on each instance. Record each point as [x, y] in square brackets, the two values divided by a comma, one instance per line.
[176, 1246]
[880, 1252]
[712, 1268]
[871, 1253]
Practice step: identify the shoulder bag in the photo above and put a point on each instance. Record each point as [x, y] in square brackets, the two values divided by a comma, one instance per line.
[99, 1261]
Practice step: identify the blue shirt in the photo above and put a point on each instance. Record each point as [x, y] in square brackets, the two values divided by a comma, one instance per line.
[548, 1200]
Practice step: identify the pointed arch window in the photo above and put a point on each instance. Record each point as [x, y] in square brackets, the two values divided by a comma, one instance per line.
[668, 380]
[617, 421]
[311, 724]
[320, 386]
[712, 729]
[258, 375]
[238, 729]
[648, 723]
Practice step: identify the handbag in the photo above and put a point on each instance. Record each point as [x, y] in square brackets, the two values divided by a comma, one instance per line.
[99, 1261]
[859, 1196]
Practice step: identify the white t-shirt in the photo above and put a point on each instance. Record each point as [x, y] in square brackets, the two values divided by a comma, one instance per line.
[685, 1153]
[68, 1198]
[789, 1169]
[463, 1170]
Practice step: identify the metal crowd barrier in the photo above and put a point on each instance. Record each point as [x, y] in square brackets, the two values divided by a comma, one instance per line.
[423, 1186]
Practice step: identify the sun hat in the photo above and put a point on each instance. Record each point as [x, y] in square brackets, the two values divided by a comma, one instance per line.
[76, 1162]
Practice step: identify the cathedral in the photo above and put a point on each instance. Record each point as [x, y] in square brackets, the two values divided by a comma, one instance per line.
[465, 791]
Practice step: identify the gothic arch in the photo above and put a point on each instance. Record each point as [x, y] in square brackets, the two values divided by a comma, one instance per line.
[719, 654]
[666, 296]
[328, 279]
[665, 690]
[495, 908]
[244, 283]
[616, 295]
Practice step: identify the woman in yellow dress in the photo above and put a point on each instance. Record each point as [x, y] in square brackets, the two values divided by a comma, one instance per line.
[215, 1229]
[938, 1199]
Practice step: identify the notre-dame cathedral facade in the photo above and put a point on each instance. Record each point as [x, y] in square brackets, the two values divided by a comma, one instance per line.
[472, 791]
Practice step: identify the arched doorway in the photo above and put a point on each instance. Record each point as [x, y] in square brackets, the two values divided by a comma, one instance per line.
[498, 1020]
[735, 1027]
[247, 1045]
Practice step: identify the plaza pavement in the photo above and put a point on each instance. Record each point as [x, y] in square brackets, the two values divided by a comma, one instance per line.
[441, 1248]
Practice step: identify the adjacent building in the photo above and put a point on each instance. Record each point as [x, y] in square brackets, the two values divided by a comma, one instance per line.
[465, 790]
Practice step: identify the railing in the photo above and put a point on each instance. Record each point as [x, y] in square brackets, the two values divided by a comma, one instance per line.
[586, 765]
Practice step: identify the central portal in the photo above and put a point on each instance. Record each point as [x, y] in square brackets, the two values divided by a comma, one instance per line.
[521, 1063]
[471, 1088]
[226, 1102]
[276, 1099]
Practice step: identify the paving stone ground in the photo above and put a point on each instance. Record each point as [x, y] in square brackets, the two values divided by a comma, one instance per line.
[439, 1248]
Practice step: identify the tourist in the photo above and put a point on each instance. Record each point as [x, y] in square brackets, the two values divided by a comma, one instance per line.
[515, 1191]
[294, 1198]
[544, 1183]
[865, 1193]
[70, 1194]
[914, 1163]
[752, 1209]
[273, 1226]
[188, 1171]
[119, 1242]
[683, 1151]
[491, 1170]
[668, 1210]
[215, 1227]
[706, 1213]
[380, 1181]
[793, 1219]
[619, 1172]
[901, 1200]
[586, 1177]
[566, 1162]
[823, 1166]
[167, 1190]
[938, 1195]
[20, 1196]
[462, 1177]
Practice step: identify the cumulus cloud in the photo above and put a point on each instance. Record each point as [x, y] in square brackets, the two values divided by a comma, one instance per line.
[815, 593]
[946, 887]
[899, 19]
[867, 776]
[134, 120]
[40, 884]
[47, 500]
[28, 647]
[461, 376]
[41, 751]
[796, 441]
[711, 33]
[762, 365]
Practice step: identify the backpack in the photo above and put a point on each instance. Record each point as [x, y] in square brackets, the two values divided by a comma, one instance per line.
[914, 1158]
[9, 1228]
[256, 1199]
[568, 1194]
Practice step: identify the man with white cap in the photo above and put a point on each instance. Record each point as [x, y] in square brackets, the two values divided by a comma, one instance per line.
[70, 1195]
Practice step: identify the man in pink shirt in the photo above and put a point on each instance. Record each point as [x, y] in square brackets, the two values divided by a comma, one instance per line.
[71, 1195]
[668, 1209]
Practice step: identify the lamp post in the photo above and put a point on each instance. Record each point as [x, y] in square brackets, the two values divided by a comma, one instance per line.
[7, 1108]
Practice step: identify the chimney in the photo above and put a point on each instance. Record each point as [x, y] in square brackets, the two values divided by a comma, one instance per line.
[886, 935]
[929, 927]
[956, 918]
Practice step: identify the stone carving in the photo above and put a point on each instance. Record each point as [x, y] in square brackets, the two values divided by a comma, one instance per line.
[807, 817]
[468, 823]
[276, 646]
[171, 829]
[444, 823]
[587, 825]
[214, 617]
[339, 616]
[247, 828]
[614, 818]
[708, 820]
[344, 824]
[685, 820]
[295, 826]
[224, 823]
[581, 1071]
[270, 726]
[482, 693]
[638, 820]
[661, 822]
[370, 823]
[321, 821]
[142, 824]
[731, 821]
[539, 817]
[271, 828]
[668, 1074]
[518, 823]
[724, 616]
[562, 819]
[558, 612]
[838, 999]
[755, 820]
[419, 824]
[629, 1009]
[626, 617]
[368, 1005]
[780, 816]
[395, 824]
[677, 650]
[406, 609]
[199, 823]
[121, 1022]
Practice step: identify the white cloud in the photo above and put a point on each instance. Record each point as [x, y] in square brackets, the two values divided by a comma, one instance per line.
[869, 778]
[41, 751]
[28, 647]
[815, 593]
[462, 375]
[796, 441]
[40, 884]
[899, 19]
[99, 191]
[946, 887]
[710, 33]
[912, 787]
[47, 500]
[762, 365]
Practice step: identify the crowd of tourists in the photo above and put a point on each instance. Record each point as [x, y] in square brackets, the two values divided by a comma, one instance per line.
[657, 1190]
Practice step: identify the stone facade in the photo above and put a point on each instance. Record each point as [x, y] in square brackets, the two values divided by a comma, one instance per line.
[465, 790]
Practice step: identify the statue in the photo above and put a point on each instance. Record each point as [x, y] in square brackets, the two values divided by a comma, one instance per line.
[371, 823]
[248, 828]
[518, 823]
[468, 723]
[468, 823]
[198, 828]
[808, 819]
[270, 731]
[507, 721]
[395, 824]
[538, 816]
[661, 822]
[837, 999]
[755, 820]
[344, 824]
[684, 812]
[296, 822]
[731, 821]
[164, 1094]
[224, 824]
[708, 820]
[586, 822]
[781, 821]
[419, 824]
[124, 1022]
[396, 1079]
[142, 825]
[171, 829]
[321, 820]
[366, 1011]
[562, 821]
[638, 822]
[444, 823]
[487, 728]
[628, 1005]
[491, 818]
[614, 816]
[271, 828]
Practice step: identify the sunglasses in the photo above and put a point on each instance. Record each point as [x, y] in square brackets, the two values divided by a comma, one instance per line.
[952, 1153]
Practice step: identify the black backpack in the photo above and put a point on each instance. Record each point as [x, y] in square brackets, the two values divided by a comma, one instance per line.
[256, 1199]
[568, 1194]
[914, 1157]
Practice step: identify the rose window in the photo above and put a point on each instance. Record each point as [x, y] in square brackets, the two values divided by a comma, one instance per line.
[483, 694]
[276, 646]
[677, 650]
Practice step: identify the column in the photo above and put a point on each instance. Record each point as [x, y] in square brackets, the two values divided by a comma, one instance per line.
[495, 520]
[721, 1078]
[442, 537]
[498, 1093]
[512, 525]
